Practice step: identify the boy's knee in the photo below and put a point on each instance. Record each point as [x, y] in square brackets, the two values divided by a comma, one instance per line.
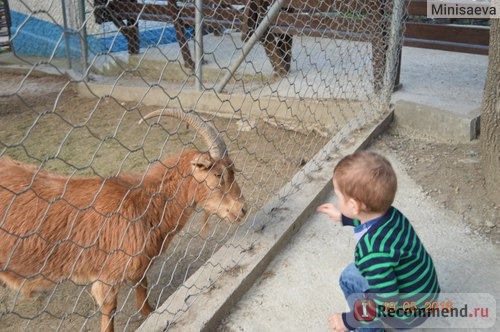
[351, 278]
[350, 272]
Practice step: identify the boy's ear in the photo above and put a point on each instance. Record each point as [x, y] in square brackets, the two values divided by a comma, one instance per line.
[356, 207]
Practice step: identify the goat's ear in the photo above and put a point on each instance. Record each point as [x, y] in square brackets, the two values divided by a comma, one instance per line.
[203, 161]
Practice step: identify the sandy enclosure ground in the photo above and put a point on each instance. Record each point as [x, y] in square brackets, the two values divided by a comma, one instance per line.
[43, 120]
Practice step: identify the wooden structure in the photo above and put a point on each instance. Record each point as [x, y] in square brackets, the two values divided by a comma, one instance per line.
[446, 37]
[340, 19]
[344, 19]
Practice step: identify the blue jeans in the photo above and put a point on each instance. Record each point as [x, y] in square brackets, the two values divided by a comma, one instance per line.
[352, 282]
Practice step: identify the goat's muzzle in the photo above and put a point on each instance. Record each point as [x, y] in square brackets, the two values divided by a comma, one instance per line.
[235, 212]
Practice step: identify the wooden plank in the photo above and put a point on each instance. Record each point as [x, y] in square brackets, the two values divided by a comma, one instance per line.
[449, 33]
[299, 22]
[333, 34]
[159, 13]
[286, 23]
[226, 3]
[417, 7]
[211, 16]
[342, 6]
[316, 6]
[446, 46]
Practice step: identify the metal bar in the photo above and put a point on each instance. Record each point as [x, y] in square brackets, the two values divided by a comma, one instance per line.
[66, 38]
[393, 48]
[198, 45]
[84, 38]
[247, 47]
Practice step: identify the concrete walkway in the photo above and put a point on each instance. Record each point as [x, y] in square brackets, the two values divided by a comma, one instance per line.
[299, 289]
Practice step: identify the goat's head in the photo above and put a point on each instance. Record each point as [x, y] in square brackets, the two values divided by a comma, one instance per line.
[215, 188]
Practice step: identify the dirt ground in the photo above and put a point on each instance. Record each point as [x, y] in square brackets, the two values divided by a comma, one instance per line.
[451, 174]
[45, 117]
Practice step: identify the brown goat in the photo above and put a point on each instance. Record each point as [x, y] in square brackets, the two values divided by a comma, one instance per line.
[106, 231]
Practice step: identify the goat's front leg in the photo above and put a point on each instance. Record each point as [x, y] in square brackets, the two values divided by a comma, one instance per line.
[106, 297]
[141, 297]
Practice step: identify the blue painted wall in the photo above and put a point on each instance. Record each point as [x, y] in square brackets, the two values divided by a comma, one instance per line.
[35, 37]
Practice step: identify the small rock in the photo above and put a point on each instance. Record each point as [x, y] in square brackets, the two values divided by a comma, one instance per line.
[472, 154]
[489, 224]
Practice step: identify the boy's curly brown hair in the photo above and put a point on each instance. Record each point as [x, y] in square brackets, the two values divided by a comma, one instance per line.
[368, 178]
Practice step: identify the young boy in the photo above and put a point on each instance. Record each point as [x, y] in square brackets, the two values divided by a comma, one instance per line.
[390, 262]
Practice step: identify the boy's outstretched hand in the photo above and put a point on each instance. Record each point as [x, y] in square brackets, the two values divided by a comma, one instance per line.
[330, 210]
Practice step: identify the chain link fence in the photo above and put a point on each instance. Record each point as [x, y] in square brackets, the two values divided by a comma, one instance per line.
[94, 203]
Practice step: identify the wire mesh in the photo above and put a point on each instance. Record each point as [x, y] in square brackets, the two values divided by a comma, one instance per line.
[106, 201]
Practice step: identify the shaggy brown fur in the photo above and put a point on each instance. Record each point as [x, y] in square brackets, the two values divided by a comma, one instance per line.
[104, 231]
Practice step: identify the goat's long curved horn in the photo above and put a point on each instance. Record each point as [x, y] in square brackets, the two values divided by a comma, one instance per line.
[217, 147]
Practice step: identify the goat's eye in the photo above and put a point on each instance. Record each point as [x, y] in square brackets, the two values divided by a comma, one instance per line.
[220, 178]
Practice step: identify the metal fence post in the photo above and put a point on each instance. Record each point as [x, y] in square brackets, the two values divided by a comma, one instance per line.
[198, 45]
[393, 48]
[84, 37]
[65, 31]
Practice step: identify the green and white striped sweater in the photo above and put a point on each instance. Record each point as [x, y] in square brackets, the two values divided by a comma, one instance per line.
[396, 265]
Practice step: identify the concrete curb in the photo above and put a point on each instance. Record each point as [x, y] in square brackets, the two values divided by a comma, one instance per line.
[201, 303]
[437, 123]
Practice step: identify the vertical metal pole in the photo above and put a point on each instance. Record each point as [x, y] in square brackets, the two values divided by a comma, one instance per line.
[66, 38]
[394, 39]
[263, 26]
[84, 38]
[198, 45]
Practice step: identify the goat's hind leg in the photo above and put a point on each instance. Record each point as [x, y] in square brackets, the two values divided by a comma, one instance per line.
[106, 297]
[9, 280]
[25, 286]
[141, 297]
